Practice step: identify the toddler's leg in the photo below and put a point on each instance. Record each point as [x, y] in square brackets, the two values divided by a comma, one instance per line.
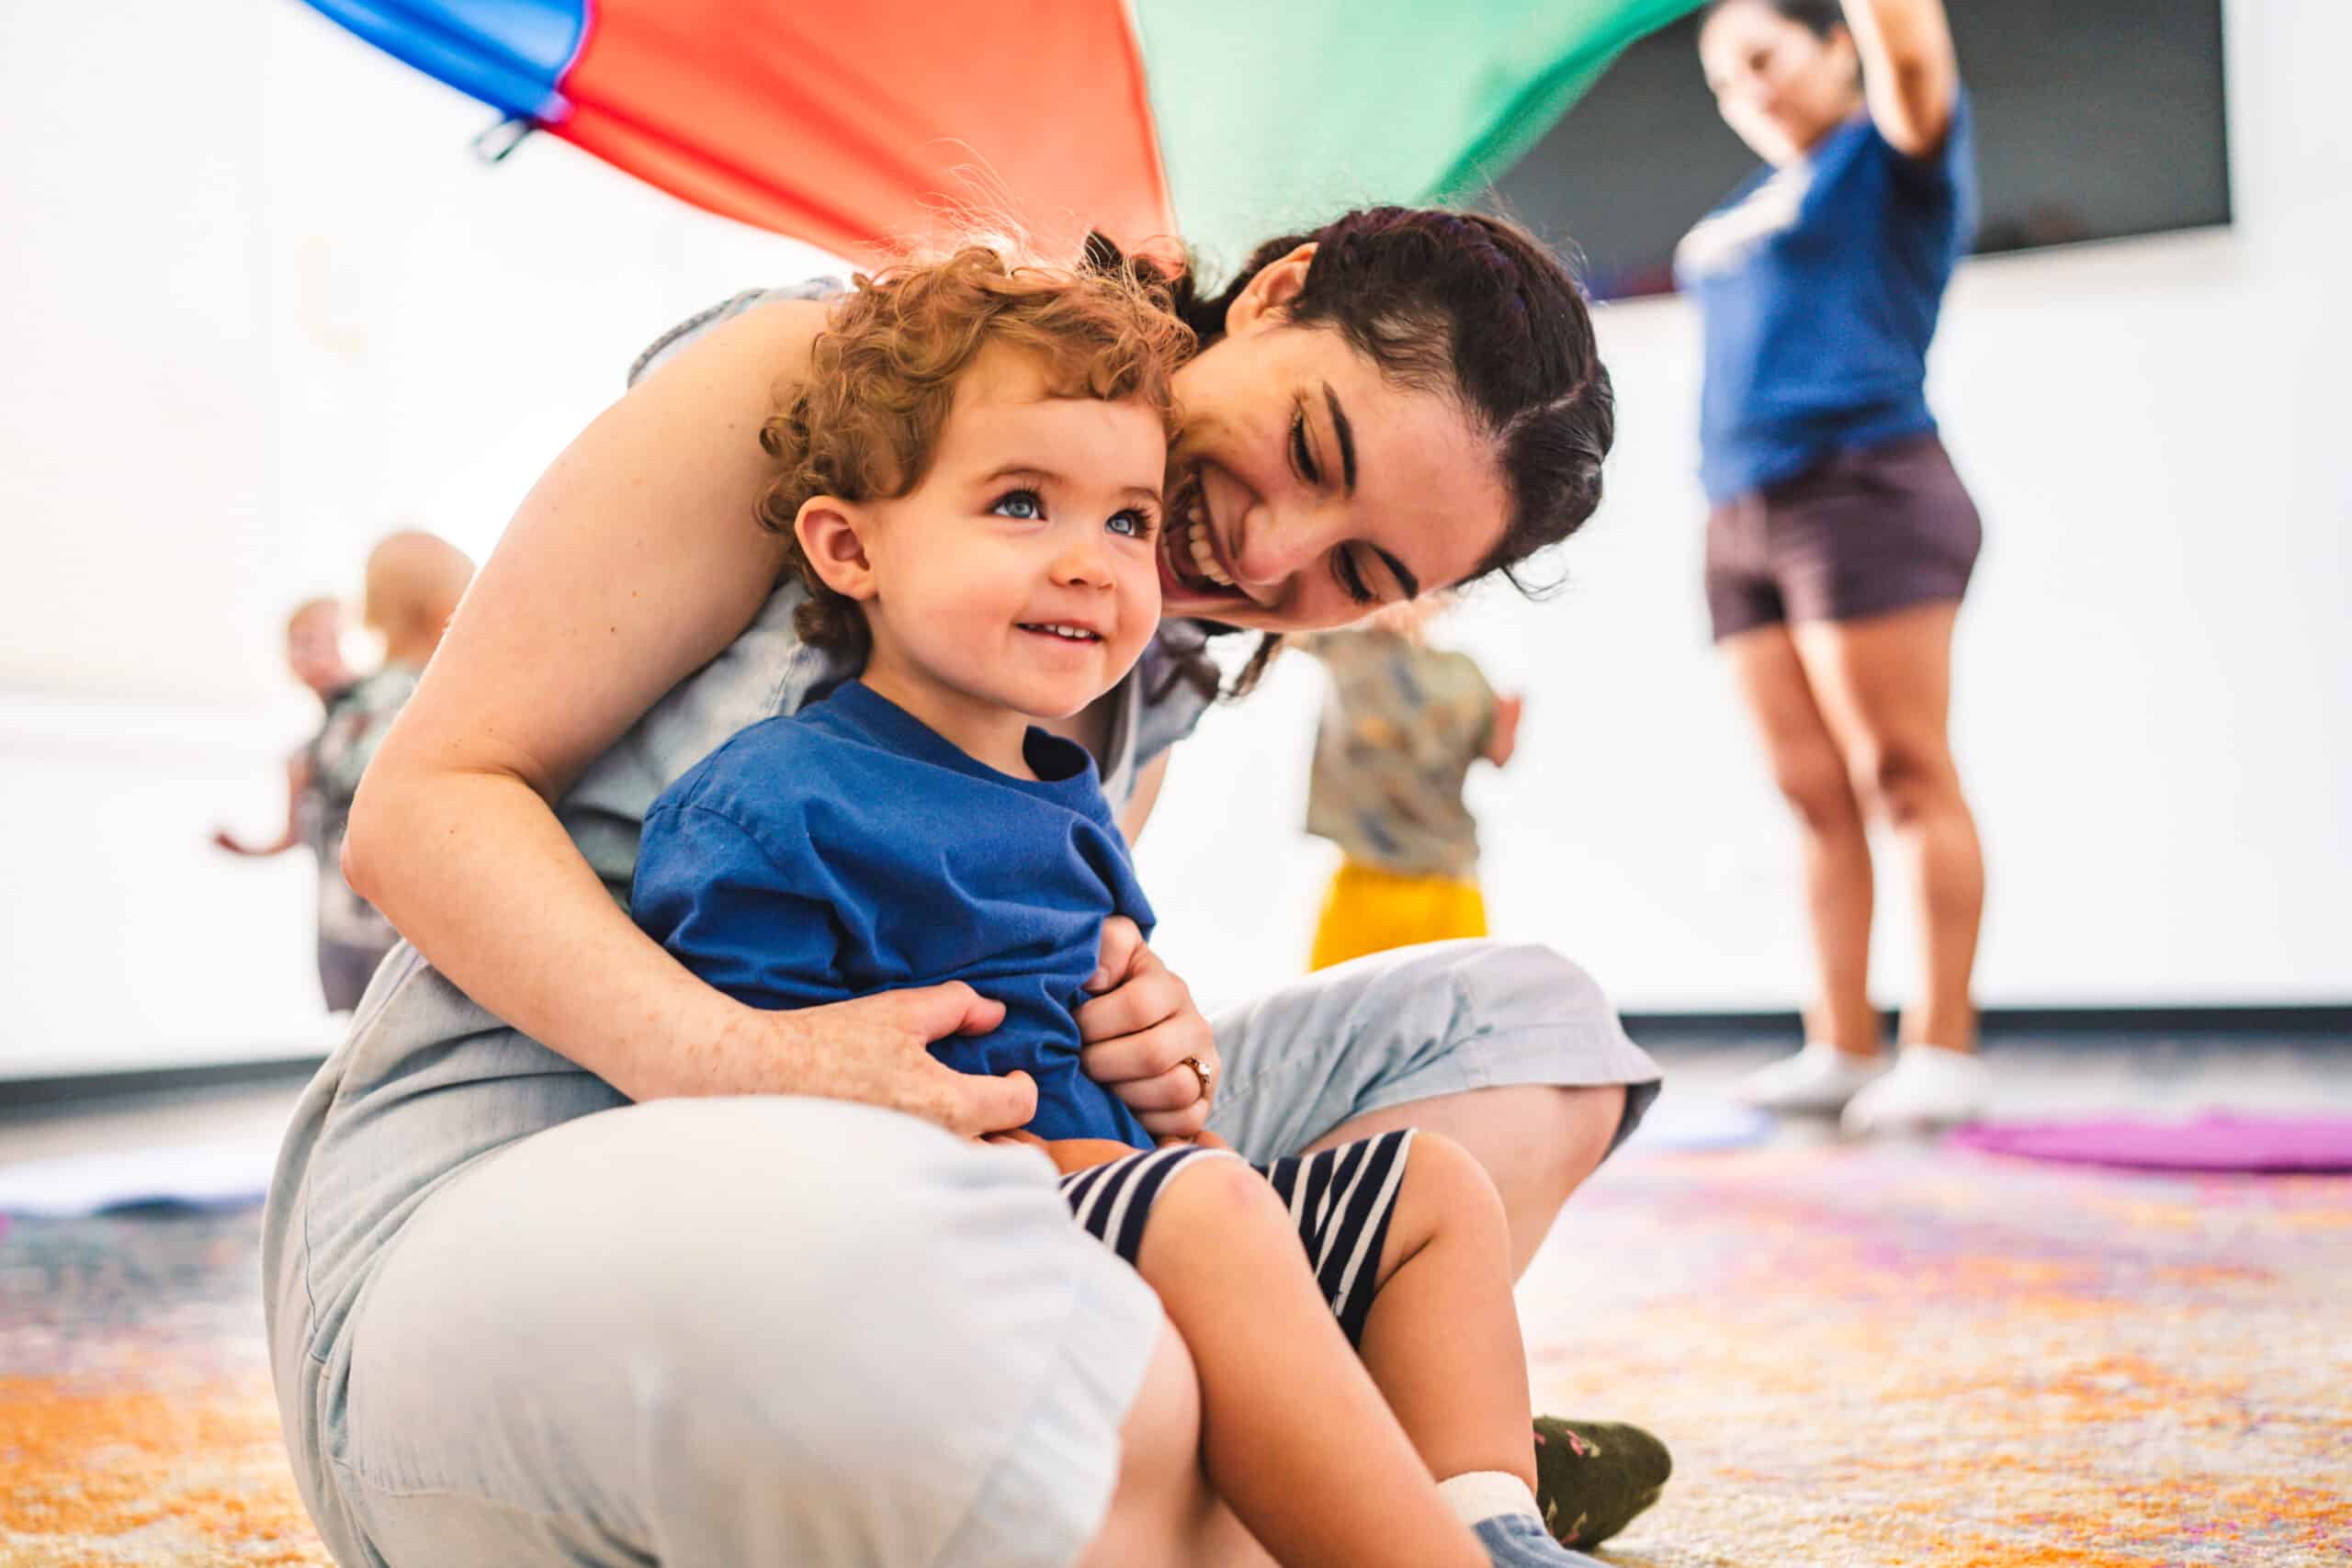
[1295, 1438]
[1413, 1248]
[1442, 1336]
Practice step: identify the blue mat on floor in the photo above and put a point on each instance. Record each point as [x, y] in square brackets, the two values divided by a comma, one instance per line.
[1682, 1123]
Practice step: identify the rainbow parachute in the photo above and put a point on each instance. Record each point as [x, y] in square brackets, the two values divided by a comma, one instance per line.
[859, 122]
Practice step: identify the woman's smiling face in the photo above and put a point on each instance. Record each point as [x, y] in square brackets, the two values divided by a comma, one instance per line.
[1306, 489]
[1777, 84]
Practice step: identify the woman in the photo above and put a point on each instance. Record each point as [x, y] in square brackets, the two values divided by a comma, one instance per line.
[491, 1344]
[1840, 540]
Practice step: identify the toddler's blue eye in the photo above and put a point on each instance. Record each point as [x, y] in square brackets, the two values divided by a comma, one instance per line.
[1026, 504]
[1131, 523]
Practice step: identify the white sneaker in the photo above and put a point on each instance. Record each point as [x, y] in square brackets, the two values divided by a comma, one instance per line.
[1929, 1087]
[1820, 1078]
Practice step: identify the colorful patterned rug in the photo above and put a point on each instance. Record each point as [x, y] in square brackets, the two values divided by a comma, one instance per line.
[1905, 1356]
[1859, 1357]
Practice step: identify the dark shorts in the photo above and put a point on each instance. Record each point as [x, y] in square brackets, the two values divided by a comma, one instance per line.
[1857, 533]
[1341, 1200]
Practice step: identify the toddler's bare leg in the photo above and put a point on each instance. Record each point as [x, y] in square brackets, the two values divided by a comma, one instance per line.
[1296, 1437]
[1442, 1337]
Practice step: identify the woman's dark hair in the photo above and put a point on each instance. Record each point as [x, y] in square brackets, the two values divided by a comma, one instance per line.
[1821, 17]
[1467, 306]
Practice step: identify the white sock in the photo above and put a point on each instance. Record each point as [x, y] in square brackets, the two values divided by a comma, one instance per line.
[1483, 1494]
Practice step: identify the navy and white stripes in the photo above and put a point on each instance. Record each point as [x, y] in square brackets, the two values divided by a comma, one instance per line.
[1340, 1201]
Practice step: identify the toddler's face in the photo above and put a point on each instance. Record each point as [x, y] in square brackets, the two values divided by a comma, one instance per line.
[1021, 571]
[314, 649]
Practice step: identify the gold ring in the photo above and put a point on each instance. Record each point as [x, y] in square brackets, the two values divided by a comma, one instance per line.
[1202, 1071]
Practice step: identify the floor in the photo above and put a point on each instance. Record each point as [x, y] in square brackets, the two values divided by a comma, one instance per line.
[1883, 1354]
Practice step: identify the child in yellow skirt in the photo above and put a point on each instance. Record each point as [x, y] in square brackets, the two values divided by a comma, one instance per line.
[1401, 728]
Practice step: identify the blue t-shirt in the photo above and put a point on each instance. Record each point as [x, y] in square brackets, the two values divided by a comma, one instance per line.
[850, 849]
[1819, 284]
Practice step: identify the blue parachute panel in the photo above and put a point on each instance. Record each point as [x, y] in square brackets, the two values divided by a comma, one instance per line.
[511, 54]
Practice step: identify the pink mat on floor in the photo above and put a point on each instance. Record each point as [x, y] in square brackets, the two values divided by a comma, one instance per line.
[2216, 1140]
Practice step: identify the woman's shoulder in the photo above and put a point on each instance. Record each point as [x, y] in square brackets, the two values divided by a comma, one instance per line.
[768, 771]
[1170, 690]
[816, 291]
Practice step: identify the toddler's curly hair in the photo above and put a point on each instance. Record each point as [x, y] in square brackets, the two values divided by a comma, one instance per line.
[864, 424]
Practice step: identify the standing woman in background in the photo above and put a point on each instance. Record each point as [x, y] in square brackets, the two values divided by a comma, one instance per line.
[1839, 540]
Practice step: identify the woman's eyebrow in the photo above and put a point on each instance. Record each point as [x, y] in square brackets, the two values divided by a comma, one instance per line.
[1346, 433]
[1404, 574]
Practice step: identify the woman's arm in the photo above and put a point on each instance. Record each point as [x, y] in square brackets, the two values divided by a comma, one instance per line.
[631, 564]
[1137, 811]
[1910, 76]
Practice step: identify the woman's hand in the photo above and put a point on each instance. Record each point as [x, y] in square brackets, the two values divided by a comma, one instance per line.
[876, 1050]
[1910, 76]
[1142, 1033]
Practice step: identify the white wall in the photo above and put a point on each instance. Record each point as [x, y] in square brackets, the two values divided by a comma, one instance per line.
[2155, 671]
[261, 306]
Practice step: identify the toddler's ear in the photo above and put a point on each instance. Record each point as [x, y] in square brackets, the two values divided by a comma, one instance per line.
[827, 528]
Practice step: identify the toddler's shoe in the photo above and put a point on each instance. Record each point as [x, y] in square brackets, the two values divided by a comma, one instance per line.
[1929, 1087]
[1517, 1541]
[1592, 1477]
[1817, 1081]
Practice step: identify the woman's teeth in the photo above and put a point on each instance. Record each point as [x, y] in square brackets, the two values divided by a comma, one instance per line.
[1195, 537]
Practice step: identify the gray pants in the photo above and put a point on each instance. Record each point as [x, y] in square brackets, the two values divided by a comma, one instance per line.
[772, 1331]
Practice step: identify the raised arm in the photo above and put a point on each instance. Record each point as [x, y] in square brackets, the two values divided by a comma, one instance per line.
[631, 563]
[1910, 76]
[298, 776]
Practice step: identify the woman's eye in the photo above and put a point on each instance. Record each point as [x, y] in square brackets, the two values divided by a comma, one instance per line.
[1132, 523]
[1026, 504]
[1300, 452]
[1351, 578]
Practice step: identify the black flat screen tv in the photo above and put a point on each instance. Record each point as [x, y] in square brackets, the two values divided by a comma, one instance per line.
[2095, 119]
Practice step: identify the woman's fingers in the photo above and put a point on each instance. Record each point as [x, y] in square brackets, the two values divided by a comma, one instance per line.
[937, 1011]
[1184, 1124]
[876, 1050]
[1122, 941]
[1172, 1090]
[1154, 1053]
[1150, 995]
[975, 1104]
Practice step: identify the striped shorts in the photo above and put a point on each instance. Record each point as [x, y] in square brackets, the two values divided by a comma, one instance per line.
[1339, 1199]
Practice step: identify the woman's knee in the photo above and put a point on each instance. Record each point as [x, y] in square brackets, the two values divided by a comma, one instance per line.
[1819, 791]
[1905, 782]
[1508, 986]
[771, 1286]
